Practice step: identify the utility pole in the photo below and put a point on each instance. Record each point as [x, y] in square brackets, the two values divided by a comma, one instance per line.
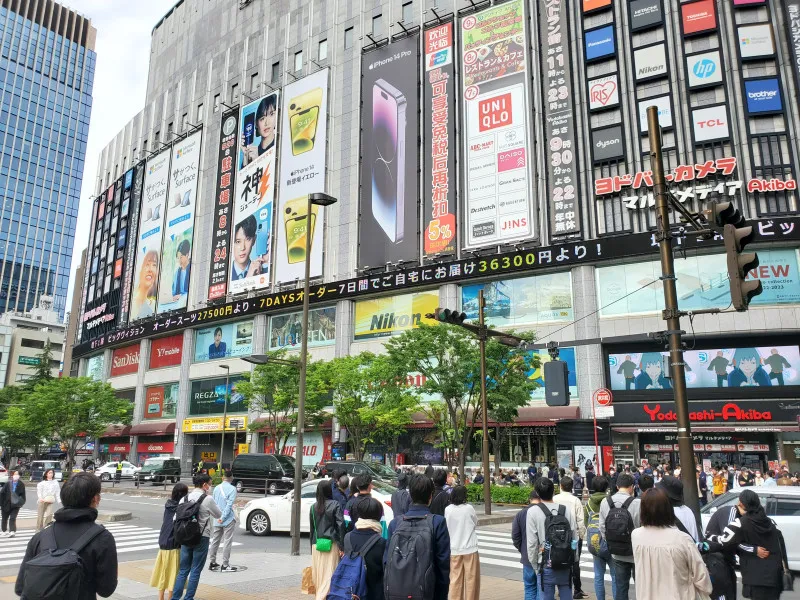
[487, 489]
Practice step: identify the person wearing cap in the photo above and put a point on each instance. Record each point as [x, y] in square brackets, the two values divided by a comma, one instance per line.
[519, 537]
[673, 488]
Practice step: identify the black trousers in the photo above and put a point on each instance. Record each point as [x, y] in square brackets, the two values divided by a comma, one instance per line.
[10, 519]
[576, 570]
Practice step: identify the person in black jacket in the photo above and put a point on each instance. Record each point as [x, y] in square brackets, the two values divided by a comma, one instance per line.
[519, 537]
[401, 499]
[327, 523]
[12, 498]
[80, 497]
[341, 483]
[363, 488]
[367, 528]
[168, 561]
[441, 496]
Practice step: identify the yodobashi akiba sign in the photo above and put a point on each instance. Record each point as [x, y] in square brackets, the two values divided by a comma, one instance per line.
[747, 413]
[125, 360]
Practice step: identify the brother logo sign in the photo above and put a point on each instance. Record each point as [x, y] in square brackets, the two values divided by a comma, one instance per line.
[763, 95]
[607, 143]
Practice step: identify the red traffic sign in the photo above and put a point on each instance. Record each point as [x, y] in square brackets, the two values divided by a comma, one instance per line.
[602, 397]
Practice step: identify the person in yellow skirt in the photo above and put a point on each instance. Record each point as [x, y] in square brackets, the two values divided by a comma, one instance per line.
[169, 554]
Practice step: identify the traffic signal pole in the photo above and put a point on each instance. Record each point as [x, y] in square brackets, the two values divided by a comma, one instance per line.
[487, 490]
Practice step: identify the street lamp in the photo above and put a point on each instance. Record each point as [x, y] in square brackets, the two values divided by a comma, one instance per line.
[224, 414]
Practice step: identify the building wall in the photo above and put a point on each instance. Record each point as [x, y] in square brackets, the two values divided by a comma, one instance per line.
[27, 335]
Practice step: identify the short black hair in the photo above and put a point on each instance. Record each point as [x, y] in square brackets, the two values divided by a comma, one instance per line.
[179, 490]
[600, 483]
[656, 509]
[566, 484]
[369, 508]
[362, 482]
[79, 490]
[201, 479]
[420, 488]
[218, 330]
[458, 495]
[439, 477]
[544, 487]
[625, 480]
[184, 248]
[533, 495]
[266, 103]
[646, 482]
[402, 481]
[248, 227]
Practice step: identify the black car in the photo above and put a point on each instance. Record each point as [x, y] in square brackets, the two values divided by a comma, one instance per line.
[357, 467]
[159, 469]
[272, 473]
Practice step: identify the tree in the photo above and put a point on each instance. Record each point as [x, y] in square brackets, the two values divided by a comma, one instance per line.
[42, 369]
[16, 433]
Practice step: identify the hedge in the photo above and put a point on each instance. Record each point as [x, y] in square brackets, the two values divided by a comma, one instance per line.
[501, 494]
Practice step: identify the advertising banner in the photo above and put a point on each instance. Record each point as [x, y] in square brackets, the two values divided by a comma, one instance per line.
[664, 104]
[645, 14]
[515, 302]
[607, 144]
[166, 351]
[304, 142]
[208, 397]
[650, 62]
[595, 5]
[176, 258]
[568, 356]
[793, 39]
[698, 17]
[95, 367]
[603, 92]
[125, 361]
[715, 368]
[154, 448]
[151, 224]
[223, 204]
[160, 401]
[756, 41]
[498, 206]
[709, 124]
[439, 127]
[559, 117]
[763, 95]
[704, 69]
[391, 315]
[131, 203]
[584, 454]
[286, 331]
[388, 222]
[599, 43]
[251, 245]
[224, 341]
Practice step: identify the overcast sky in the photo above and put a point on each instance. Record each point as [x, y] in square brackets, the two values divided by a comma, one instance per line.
[120, 82]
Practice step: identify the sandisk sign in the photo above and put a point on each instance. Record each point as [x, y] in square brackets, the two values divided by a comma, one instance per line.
[166, 351]
[125, 360]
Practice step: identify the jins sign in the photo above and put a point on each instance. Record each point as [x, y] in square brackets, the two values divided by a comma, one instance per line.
[166, 352]
[125, 360]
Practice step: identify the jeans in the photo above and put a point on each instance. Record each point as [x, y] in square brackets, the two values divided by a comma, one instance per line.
[600, 578]
[552, 579]
[629, 383]
[529, 581]
[576, 570]
[622, 571]
[192, 562]
[721, 379]
[778, 376]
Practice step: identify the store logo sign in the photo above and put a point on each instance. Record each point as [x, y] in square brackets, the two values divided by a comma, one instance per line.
[603, 92]
[698, 17]
[651, 62]
[645, 14]
[756, 41]
[763, 95]
[607, 143]
[704, 69]
[710, 124]
[599, 43]
[729, 412]
[664, 112]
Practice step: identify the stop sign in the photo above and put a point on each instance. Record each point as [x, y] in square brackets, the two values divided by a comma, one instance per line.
[602, 397]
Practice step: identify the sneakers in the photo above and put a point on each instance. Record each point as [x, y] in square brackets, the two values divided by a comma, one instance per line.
[580, 595]
[3, 534]
[228, 569]
[213, 566]
[11, 534]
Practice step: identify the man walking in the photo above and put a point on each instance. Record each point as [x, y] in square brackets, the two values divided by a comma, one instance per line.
[224, 496]
[519, 537]
[720, 367]
[617, 536]
[574, 505]
[776, 364]
[341, 485]
[626, 369]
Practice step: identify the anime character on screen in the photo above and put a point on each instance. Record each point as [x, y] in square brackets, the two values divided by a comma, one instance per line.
[626, 369]
[747, 369]
[776, 364]
[650, 376]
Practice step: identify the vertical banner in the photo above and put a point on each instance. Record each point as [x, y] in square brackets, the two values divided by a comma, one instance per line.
[439, 118]
[151, 224]
[304, 146]
[793, 24]
[176, 258]
[251, 244]
[130, 251]
[496, 104]
[559, 118]
[389, 214]
[228, 138]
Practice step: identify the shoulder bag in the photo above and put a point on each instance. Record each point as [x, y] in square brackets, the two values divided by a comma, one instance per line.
[323, 544]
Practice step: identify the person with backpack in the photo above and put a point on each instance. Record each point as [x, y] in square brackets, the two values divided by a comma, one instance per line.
[668, 564]
[573, 504]
[224, 526]
[462, 527]
[401, 499]
[519, 537]
[552, 542]
[326, 537]
[192, 530]
[417, 538]
[441, 495]
[601, 557]
[168, 559]
[12, 498]
[87, 568]
[360, 572]
[619, 516]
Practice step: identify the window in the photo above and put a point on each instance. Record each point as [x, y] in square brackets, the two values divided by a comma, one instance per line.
[408, 12]
[254, 82]
[322, 51]
[200, 112]
[169, 131]
[55, 364]
[276, 72]
[145, 146]
[298, 61]
[787, 506]
[216, 102]
[158, 138]
[348, 38]
[184, 121]
[26, 343]
[377, 26]
[235, 92]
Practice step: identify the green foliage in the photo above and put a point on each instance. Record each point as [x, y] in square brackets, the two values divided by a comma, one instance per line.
[501, 494]
[42, 371]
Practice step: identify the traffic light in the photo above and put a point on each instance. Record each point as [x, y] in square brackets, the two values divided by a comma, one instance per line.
[445, 315]
[556, 383]
[736, 234]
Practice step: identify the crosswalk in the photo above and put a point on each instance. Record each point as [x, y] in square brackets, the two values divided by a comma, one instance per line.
[128, 538]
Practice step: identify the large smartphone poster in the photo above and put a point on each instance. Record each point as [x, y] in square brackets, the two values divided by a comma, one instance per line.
[251, 244]
[151, 225]
[495, 90]
[176, 258]
[389, 214]
[303, 162]
[439, 118]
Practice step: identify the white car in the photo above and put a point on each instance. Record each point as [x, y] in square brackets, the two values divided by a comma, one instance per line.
[109, 470]
[274, 513]
[782, 505]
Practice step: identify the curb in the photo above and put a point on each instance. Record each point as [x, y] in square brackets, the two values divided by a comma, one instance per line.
[495, 520]
[158, 494]
[112, 516]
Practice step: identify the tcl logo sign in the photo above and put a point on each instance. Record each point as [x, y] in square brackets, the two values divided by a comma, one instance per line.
[712, 123]
[125, 361]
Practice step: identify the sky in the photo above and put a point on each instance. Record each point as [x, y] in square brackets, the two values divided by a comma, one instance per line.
[120, 83]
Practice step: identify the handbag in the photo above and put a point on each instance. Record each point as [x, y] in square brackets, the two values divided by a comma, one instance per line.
[16, 501]
[49, 499]
[307, 582]
[323, 544]
[788, 578]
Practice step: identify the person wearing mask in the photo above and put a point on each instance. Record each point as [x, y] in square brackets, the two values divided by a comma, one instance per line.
[668, 564]
[368, 531]
[326, 537]
[746, 478]
[341, 483]
[12, 498]
[574, 505]
[48, 493]
[465, 568]
[591, 514]
[81, 497]
[363, 485]
[770, 480]
[536, 519]
[622, 564]
[224, 526]
[441, 498]
[758, 542]
[519, 537]
[673, 488]
[193, 558]
[168, 559]
[401, 499]
[577, 482]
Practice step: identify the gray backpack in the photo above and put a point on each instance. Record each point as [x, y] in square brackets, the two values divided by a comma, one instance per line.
[408, 573]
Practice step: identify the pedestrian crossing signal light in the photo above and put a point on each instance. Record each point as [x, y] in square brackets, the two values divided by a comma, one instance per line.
[445, 315]
[556, 383]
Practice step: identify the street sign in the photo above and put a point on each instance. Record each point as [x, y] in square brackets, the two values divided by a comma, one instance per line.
[602, 397]
[604, 412]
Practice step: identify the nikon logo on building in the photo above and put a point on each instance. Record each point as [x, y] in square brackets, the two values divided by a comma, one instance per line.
[391, 320]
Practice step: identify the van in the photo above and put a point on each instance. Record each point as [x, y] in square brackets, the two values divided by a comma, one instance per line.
[272, 473]
[38, 468]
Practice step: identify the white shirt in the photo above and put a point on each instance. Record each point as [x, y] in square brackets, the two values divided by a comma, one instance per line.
[576, 506]
[686, 517]
[462, 523]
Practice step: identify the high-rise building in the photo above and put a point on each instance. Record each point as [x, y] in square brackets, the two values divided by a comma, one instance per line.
[46, 75]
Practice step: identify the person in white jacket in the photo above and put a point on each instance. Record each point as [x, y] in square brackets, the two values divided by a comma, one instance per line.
[575, 506]
[465, 568]
[48, 493]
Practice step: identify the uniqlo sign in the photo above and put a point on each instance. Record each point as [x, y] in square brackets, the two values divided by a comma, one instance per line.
[166, 351]
[494, 112]
[698, 17]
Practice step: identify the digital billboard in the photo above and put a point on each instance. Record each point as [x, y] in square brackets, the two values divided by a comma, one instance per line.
[392, 315]
[286, 331]
[223, 204]
[566, 355]
[160, 401]
[224, 341]
[208, 397]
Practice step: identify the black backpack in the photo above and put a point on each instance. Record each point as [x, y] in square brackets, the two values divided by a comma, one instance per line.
[56, 573]
[558, 552]
[619, 526]
[408, 573]
[187, 528]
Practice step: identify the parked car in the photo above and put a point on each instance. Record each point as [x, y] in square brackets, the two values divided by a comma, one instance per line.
[158, 469]
[356, 467]
[38, 467]
[262, 516]
[109, 470]
[272, 473]
[782, 505]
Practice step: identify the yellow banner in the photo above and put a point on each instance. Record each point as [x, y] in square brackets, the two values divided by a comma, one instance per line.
[244, 448]
[392, 315]
[212, 424]
[208, 456]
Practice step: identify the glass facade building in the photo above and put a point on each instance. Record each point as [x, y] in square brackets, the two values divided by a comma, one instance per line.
[46, 74]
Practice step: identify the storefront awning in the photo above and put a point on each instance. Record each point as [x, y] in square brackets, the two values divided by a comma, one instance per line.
[155, 428]
[529, 416]
[116, 431]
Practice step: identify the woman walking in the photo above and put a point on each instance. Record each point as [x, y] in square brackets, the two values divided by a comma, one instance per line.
[327, 538]
[668, 564]
[465, 569]
[169, 554]
[368, 534]
[12, 498]
[48, 492]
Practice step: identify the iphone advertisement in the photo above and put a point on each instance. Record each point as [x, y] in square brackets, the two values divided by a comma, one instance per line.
[303, 154]
[389, 154]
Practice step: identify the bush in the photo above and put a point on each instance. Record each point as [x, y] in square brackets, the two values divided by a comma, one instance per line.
[501, 494]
